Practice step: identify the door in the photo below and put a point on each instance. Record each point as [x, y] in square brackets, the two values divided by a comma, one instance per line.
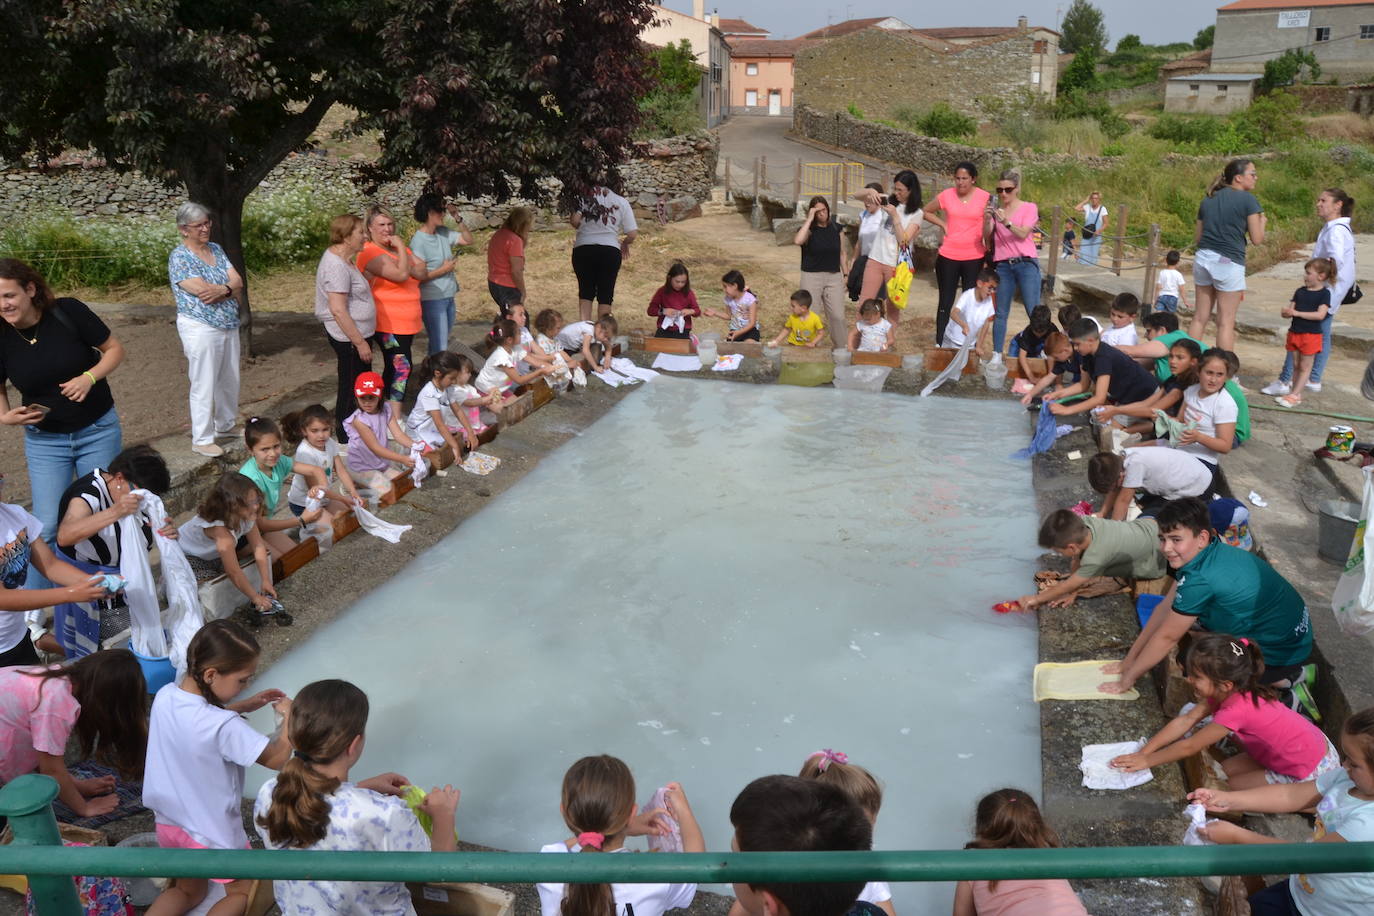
[751, 98]
[775, 101]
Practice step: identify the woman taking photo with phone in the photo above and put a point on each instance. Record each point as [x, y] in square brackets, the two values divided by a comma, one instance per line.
[57, 353]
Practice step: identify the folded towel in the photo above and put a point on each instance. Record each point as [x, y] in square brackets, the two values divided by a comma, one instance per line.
[1074, 681]
[674, 362]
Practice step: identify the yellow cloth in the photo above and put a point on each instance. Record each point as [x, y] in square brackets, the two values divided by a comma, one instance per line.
[801, 331]
[1075, 681]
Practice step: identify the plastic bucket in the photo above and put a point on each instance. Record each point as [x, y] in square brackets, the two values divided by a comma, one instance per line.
[706, 352]
[1145, 607]
[841, 356]
[142, 891]
[1336, 523]
[773, 355]
[913, 362]
[157, 671]
[995, 375]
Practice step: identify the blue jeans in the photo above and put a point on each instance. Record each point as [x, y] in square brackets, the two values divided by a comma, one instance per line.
[1023, 275]
[438, 316]
[1319, 363]
[55, 460]
[1166, 304]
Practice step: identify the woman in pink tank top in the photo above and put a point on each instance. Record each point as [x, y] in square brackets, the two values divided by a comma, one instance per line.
[959, 211]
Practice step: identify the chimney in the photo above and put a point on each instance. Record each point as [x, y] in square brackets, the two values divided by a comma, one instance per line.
[699, 9]
[1022, 22]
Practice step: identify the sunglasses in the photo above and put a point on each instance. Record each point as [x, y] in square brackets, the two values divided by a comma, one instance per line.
[1006, 190]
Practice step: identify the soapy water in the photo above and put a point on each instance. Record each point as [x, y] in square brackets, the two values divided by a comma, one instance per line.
[711, 583]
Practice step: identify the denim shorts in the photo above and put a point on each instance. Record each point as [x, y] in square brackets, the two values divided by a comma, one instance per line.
[1218, 271]
[1166, 304]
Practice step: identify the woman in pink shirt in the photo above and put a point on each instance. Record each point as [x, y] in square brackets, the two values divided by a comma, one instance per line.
[1009, 230]
[959, 211]
[506, 259]
[101, 699]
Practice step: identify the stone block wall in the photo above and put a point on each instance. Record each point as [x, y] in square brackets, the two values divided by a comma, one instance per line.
[927, 155]
[879, 70]
[678, 171]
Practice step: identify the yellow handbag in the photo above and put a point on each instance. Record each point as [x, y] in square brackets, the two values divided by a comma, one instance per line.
[899, 287]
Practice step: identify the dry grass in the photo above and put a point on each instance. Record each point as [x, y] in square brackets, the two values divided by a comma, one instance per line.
[1341, 125]
[709, 246]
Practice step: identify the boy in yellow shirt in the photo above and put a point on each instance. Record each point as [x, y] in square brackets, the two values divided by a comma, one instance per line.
[803, 327]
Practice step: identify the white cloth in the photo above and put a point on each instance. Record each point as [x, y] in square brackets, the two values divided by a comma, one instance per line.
[955, 367]
[615, 379]
[1098, 772]
[359, 820]
[323, 459]
[379, 528]
[184, 615]
[1207, 413]
[675, 362]
[671, 321]
[975, 315]
[212, 358]
[1171, 282]
[628, 368]
[1121, 337]
[645, 899]
[1197, 819]
[1337, 242]
[876, 892]
[873, 337]
[728, 363]
[421, 469]
[193, 778]
[493, 374]
[140, 589]
[196, 543]
[605, 229]
[1165, 472]
[18, 530]
[672, 840]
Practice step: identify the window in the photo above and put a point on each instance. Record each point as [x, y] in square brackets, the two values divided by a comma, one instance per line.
[1323, 33]
[1040, 47]
[1221, 88]
[1035, 77]
[751, 69]
[1193, 88]
[1367, 32]
[751, 98]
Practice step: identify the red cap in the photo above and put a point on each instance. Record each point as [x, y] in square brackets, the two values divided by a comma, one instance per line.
[368, 383]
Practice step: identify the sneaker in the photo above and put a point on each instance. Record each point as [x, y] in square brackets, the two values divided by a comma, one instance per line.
[1277, 387]
[1288, 400]
[209, 450]
[996, 359]
[1314, 386]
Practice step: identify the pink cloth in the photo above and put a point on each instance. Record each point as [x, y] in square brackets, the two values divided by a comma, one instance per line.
[1275, 736]
[1043, 897]
[33, 723]
[963, 224]
[1005, 244]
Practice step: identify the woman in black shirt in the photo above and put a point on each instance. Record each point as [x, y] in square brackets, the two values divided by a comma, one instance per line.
[823, 249]
[57, 354]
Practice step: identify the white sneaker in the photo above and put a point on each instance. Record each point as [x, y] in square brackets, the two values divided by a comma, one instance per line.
[1277, 387]
[209, 450]
[1314, 386]
[579, 377]
[996, 359]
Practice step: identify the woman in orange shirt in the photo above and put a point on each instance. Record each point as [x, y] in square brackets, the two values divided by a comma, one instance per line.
[958, 211]
[506, 259]
[394, 273]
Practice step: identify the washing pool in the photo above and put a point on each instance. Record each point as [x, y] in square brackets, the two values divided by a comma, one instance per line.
[711, 582]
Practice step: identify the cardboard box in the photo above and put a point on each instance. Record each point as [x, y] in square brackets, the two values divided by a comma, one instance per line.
[453, 899]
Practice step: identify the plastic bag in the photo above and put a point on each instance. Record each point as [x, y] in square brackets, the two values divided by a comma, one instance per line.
[861, 378]
[899, 287]
[1197, 819]
[1352, 601]
[414, 797]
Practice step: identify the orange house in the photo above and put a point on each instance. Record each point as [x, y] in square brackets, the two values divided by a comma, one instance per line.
[761, 76]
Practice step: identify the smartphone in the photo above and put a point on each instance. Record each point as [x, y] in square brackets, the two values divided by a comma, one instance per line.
[41, 408]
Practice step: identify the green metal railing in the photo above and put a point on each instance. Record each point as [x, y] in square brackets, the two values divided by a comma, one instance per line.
[35, 852]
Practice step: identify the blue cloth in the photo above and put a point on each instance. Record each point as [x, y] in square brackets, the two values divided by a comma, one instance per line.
[1043, 436]
[77, 625]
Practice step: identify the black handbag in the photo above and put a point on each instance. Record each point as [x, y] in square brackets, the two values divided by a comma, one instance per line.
[855, 282]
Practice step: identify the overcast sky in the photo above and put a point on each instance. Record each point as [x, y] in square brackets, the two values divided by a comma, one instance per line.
[1156, 22]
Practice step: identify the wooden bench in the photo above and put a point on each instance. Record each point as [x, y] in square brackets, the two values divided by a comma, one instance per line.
[668, 345]
[861, 358]
[939, 358]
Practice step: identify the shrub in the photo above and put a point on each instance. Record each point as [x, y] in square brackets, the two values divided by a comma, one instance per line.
[947, 124]
[1113, 149]
[667, 114]
[1020, 116]
[856, 111]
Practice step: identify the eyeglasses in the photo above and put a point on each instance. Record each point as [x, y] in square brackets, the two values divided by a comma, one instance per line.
[1006, 190]
[203, 224]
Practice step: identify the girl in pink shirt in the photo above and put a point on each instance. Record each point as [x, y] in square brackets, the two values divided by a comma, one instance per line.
[98, 697]
[1278, 745]
[1009, 819]
[959, 211]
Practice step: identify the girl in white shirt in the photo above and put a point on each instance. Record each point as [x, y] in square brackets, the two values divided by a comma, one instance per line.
[433, 418]
[198, 748]
[599, 808]
[312, 805]
[312, 432]
[499, 373]
[225, 528]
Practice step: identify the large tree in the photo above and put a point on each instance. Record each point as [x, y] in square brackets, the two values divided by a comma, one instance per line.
[213, 95]
[1083, 28]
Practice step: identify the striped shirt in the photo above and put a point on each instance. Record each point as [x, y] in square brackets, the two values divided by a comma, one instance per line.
[101, 548]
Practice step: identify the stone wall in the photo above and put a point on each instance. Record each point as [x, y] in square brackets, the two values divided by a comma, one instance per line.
[879, 70]
[878, 141]
[678, 171]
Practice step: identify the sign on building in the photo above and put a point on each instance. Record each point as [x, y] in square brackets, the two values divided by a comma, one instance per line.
[1294, 19]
